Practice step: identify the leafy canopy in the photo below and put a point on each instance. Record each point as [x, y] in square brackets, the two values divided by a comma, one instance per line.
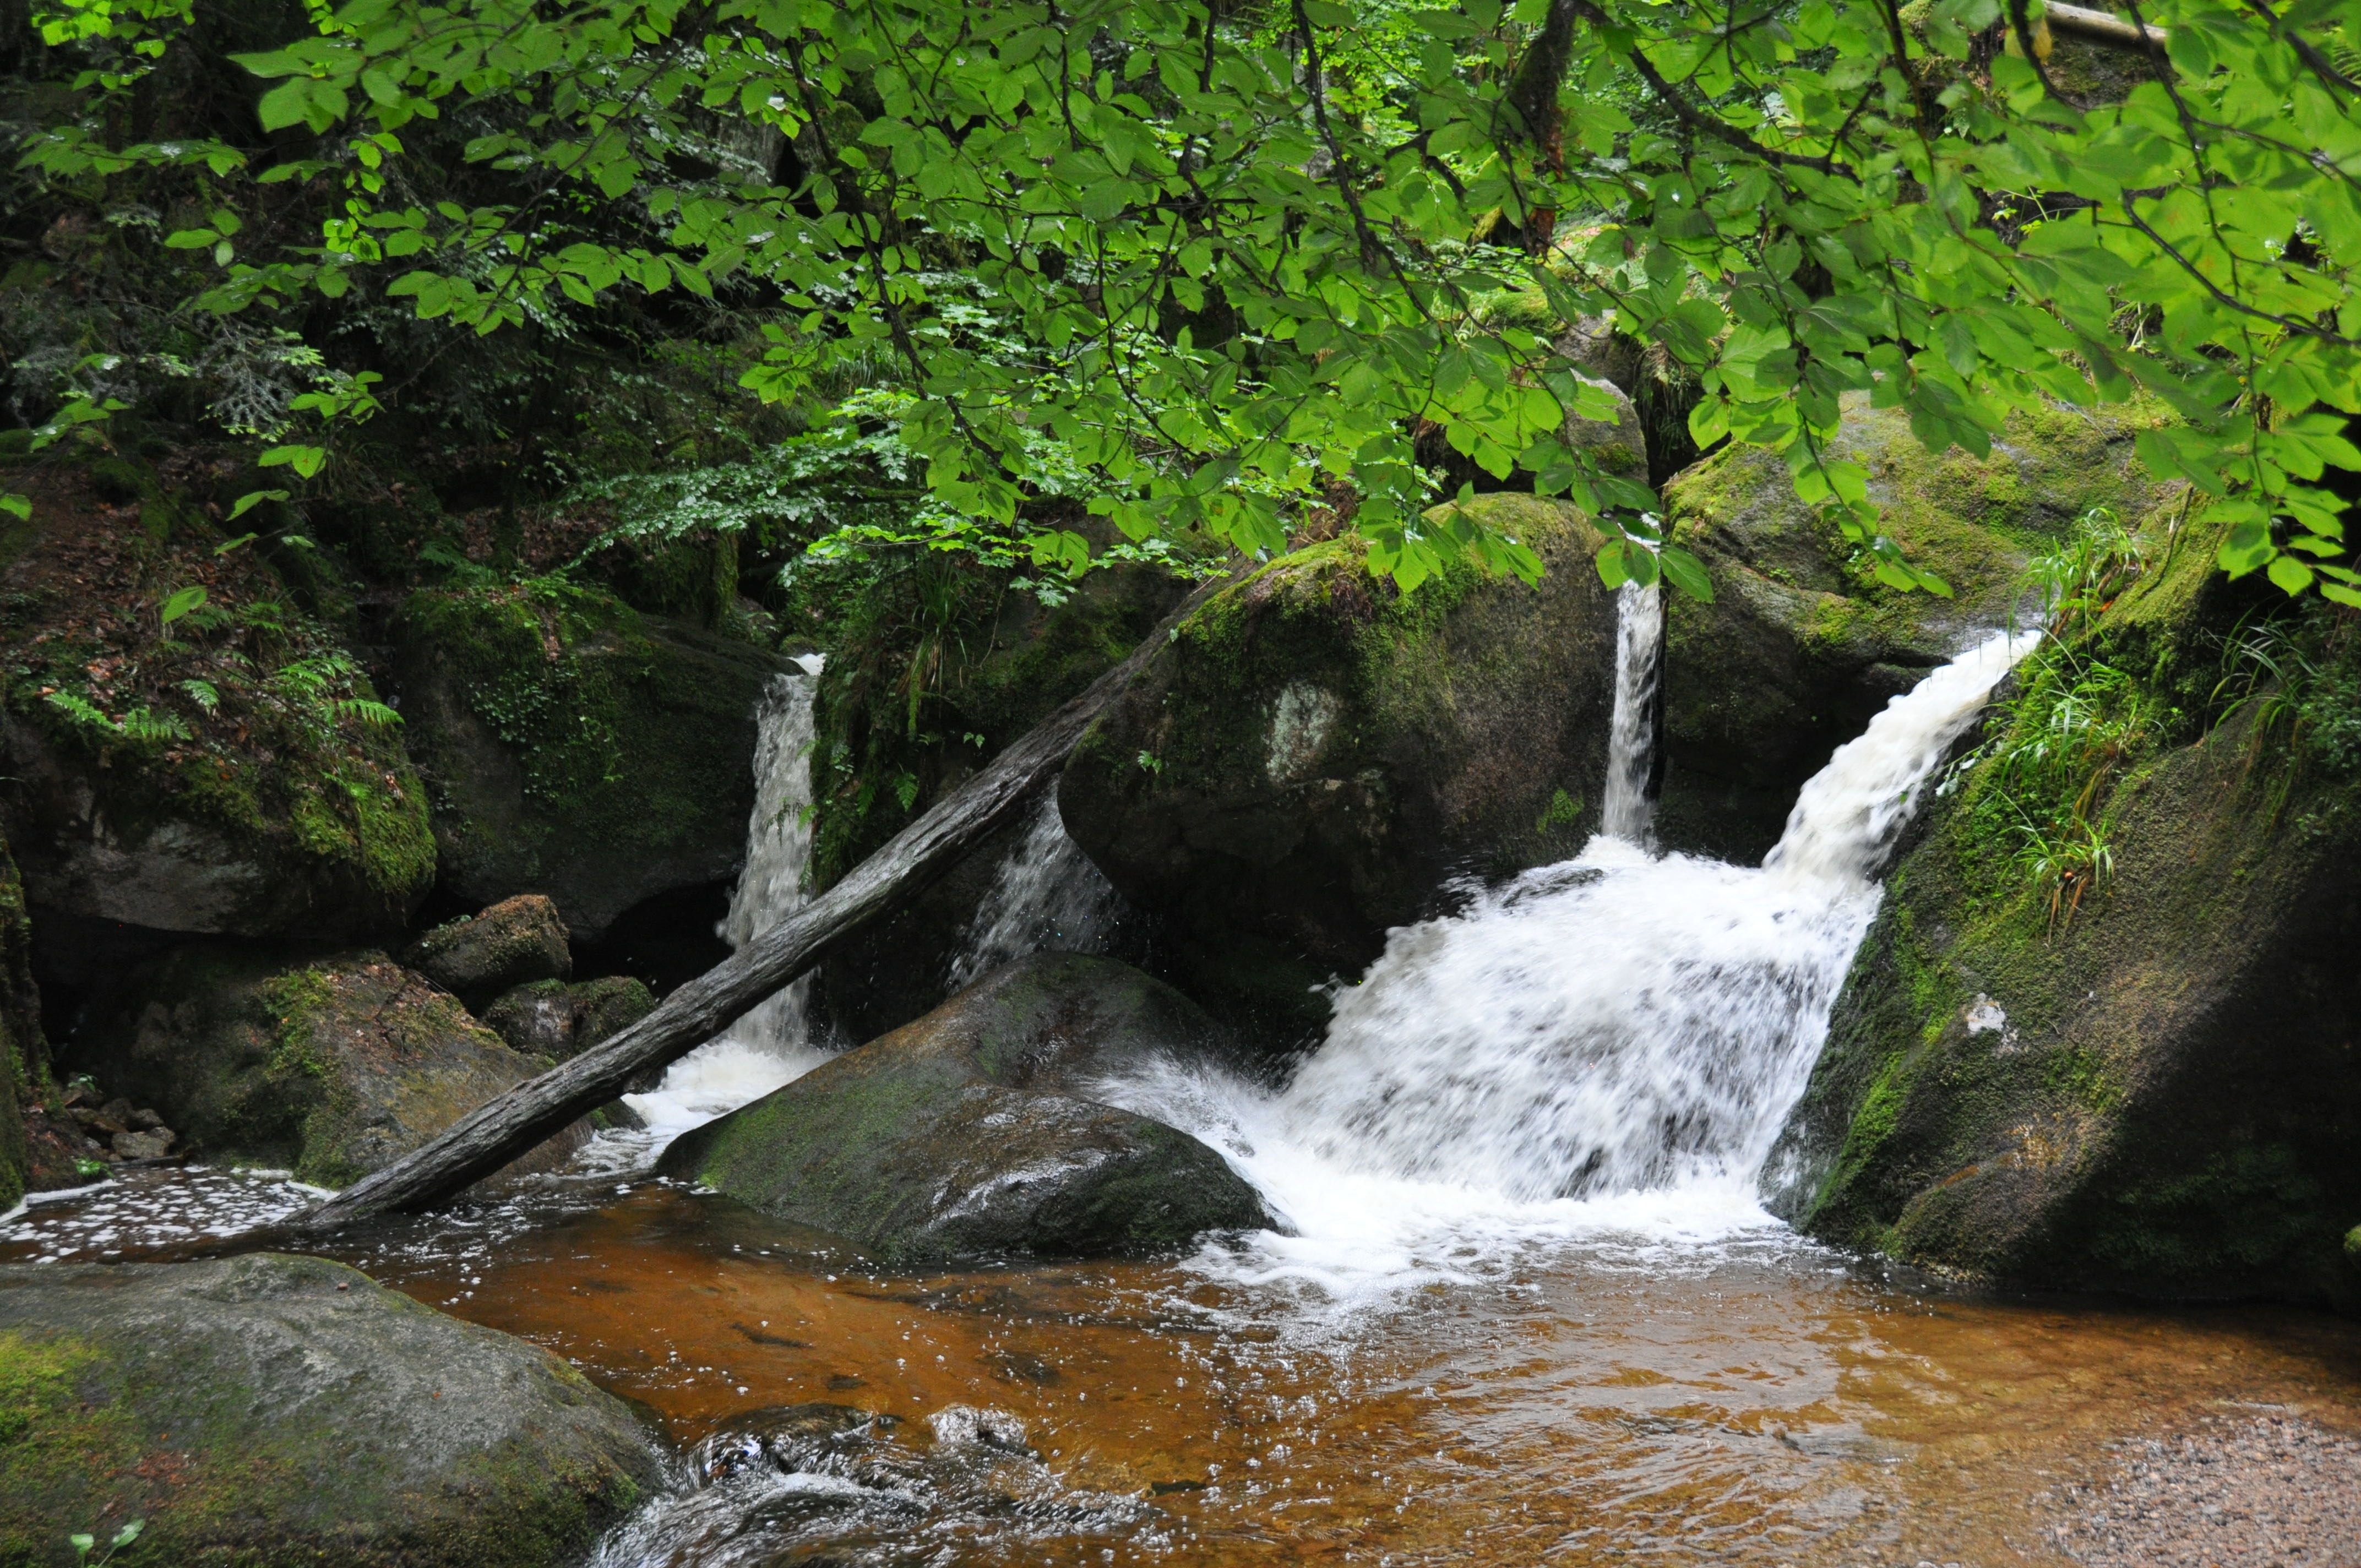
[1240, 247]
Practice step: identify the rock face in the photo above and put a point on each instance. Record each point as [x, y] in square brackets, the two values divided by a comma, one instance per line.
[969, 1132]
[1800, 648]
[551, 1018]
[331, 1067]
[1314, 754]
[577, 749]
[513, 943]
[2157, 1090]
[273, 1410]
[116, 840]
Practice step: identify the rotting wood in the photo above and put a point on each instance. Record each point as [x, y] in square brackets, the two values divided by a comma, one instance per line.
[507, 1126]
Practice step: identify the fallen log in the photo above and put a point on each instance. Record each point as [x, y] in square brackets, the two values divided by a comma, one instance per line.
[500, 1129]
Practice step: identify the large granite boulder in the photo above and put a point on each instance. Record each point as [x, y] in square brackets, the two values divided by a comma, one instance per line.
[579, 749]
[1802, 645]
[2133, 1066]
[972, 1133]
[1314, 754]
[330, 1068]
[268, 1410]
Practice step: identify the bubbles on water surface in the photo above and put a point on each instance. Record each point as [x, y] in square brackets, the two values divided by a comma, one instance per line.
[145, 1211]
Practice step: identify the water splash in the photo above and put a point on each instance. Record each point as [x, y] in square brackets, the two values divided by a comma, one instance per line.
[771, 1044]
[1606, 1045]
[1626, 811]
[1045, 897]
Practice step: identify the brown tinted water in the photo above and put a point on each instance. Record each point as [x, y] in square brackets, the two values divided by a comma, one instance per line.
[1755, 1400]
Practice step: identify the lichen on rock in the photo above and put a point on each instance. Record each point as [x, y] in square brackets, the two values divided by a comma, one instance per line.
[478, 957]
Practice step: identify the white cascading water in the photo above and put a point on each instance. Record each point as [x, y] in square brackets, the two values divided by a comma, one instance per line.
[1632, 739]
[1610, 1044]
[1045, 897]
[771, 1044]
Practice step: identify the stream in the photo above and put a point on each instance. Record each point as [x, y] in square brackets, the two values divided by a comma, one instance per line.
[1525, 1304]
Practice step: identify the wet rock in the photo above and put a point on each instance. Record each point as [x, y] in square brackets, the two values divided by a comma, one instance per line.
[551, 1018]
[579, 749]
[330, 1067]
[148, 1145]
[2156, 1088]
[1802, 645]
[476, 958]
[274, 1410]
[970, 1134]
[1314, 754]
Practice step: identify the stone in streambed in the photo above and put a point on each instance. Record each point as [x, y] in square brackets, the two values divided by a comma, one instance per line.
[551, 1018]
[268, 1410]
[331, 1067]
[478, 957]
[969, 1132]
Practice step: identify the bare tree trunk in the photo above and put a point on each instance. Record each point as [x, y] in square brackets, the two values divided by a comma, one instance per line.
[500, 1130]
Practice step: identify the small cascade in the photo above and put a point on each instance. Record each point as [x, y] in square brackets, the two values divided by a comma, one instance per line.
[1624, 1030]
[771, 1044]
[1045, 897]
[1632, 739]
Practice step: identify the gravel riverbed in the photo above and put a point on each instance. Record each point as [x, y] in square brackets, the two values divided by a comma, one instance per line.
[2274, 1490]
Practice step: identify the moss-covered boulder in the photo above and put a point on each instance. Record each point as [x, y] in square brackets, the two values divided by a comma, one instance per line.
[553, 1018]
[24, 1051]
[971, 1133]
[2102, 1032]
[268, 1410]
[330, 1068]
[1802, 645]
[230, 774]
[576, 748]
[478, 957]
[1314, 754]
[933, 672]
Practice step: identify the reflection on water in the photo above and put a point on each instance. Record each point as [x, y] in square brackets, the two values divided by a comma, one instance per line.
[1756, 1399]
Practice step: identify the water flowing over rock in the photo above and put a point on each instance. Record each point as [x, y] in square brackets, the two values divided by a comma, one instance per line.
[1314, 755]
[2152, 1084]
[278, 1410]
[1802, 644]
[1045, 897]
[970, 1132]
[773, 1043]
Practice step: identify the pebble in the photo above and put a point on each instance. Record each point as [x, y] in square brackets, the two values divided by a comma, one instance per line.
[2266, 1492]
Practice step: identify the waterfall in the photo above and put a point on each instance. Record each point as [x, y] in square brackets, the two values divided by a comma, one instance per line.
[772, 1044]
[1616, 1034]
[1046, 896]
[1631, 738]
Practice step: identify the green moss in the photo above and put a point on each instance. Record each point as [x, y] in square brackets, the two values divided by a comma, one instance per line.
[297, 1001]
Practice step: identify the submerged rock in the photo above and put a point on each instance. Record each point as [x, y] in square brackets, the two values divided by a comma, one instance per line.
[270, 1410]
[514, 942]
[579, 749]
[551, 1018]
[1314, 754]
[971, 1133]
[331, 1067]
[2148, 1082]
[1802, 645]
